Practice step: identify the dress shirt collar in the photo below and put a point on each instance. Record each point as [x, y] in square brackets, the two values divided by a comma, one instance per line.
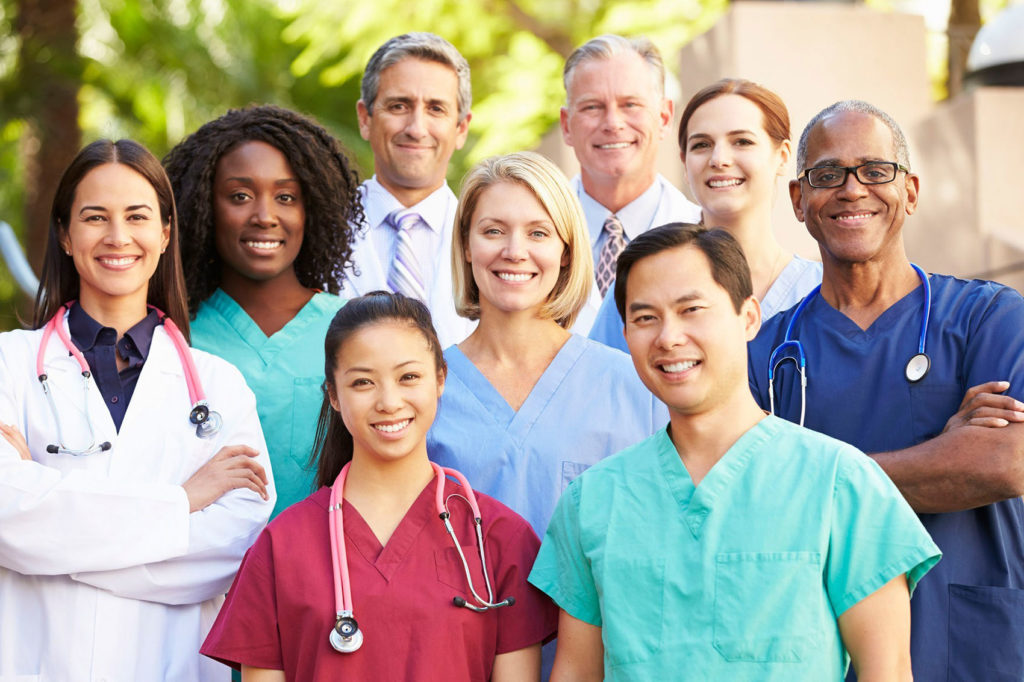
[636, 217]
[133, 346]
[378, 202]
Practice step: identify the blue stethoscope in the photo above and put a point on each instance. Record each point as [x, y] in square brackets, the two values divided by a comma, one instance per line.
[791, 348]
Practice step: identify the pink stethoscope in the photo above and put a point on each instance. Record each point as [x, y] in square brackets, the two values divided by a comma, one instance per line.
[346, 636]
[207, 422]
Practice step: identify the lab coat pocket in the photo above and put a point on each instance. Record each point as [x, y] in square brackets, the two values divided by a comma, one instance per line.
[632, 609]
[986, 634]
[768, 605]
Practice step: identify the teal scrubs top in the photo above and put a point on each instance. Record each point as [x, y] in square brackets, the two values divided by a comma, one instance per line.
[285, 371]
[742, 577]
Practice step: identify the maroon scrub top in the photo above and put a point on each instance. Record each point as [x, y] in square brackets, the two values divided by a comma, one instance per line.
[281, 607]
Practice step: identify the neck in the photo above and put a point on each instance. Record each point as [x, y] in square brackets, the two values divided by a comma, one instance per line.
[280, 297]
[408, 196]
[863, 291]
[376, 480]
[764, 254]
[514, 337]
[616, 193]
[122, 313]
[703, 439]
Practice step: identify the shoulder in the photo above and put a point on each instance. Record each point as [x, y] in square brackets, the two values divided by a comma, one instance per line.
[217, 373]
[303, 514]
[680, 207]
[975, 294]
[20, 341]
[772, 330]
[326, 304]
[639, 456]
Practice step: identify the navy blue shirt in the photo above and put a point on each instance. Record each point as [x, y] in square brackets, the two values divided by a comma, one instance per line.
[99, 345]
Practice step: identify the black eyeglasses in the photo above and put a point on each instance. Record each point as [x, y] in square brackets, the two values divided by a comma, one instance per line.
[870, 173]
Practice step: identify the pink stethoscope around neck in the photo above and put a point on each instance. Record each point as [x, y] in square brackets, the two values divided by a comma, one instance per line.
[206, 421]
[346, 636]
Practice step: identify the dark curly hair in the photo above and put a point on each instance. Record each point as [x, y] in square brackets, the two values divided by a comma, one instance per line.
[330, 191]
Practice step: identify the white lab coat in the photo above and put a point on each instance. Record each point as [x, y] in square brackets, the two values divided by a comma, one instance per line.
[370, 269]
[104, 573]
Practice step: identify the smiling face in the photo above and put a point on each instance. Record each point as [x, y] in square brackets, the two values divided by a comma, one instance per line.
[115, 236]
[414, 127]
[514, 251]
[258, 212]
[386, 386]
[687, 341]
[854, 223]
[730, 160]
[614, 118]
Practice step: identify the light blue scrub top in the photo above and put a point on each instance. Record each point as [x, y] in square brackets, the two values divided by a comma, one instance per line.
[968, 614]
[796, 279]
[744, 576]
[588, 404]
[285, 372]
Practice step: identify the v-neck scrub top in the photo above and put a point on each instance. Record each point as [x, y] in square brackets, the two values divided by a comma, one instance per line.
[968, 615]
[588, 404]
[281, 608]
[285, 371]
[741, 578]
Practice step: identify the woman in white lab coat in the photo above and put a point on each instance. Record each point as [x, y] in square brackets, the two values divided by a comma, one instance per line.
[124, 509]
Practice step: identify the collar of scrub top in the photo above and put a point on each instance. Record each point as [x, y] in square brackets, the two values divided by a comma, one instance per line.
[207, 422]
[791, 349]
[346, 636]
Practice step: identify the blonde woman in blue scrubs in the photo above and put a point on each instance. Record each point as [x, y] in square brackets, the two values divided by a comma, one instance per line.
[265, 200]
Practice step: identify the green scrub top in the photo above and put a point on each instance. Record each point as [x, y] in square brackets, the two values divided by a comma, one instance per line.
[742, 577]
[285, 371]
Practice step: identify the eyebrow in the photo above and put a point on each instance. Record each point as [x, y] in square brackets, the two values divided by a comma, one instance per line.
[369, 370]
[244, 178]
[133, 207]
[731, 132]
[839, 164]
[685, 298]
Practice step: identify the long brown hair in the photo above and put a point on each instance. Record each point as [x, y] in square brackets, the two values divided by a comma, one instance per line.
[332, 446]
[60, 281]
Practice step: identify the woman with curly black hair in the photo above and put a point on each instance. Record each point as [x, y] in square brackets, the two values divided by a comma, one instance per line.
[266, 200]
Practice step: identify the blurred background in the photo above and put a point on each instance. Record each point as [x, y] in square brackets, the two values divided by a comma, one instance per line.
[154, 70]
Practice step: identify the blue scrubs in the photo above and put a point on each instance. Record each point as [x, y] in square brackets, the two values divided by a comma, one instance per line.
[968, 613]
[792, 284]
[285, 371]
[587, 405]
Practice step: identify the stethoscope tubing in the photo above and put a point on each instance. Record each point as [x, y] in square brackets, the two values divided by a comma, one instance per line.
[197, 396]
[779, 354]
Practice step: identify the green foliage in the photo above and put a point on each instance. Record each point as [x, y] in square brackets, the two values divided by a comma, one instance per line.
[157, 69]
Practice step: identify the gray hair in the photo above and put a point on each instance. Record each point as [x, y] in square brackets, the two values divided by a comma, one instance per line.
[610, 45]
[899, 140]
[426, 46]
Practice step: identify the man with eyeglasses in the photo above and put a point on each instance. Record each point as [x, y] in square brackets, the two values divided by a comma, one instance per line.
[925, 372]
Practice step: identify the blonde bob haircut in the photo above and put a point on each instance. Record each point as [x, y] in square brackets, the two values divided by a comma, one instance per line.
[548, 184]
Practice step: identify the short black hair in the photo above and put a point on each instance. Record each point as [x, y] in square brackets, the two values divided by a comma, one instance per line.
[728, 264]
[330, 194]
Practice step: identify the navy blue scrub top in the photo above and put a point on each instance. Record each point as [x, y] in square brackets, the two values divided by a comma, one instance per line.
[968, 612]
[99, 345]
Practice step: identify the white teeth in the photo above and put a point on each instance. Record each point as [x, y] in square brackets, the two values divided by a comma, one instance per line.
[615, 145]
[514, 276]
[127, 260]
[678, 366]
[724, 183]
[264, 245]
[392, 428]
[857, 216]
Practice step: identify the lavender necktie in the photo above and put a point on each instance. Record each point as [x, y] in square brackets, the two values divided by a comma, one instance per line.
[614, 243]
[405, 276]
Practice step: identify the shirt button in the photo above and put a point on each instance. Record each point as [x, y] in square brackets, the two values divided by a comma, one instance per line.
[114, 400]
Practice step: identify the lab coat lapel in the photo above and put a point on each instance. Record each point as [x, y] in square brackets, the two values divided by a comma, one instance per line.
[160, 390]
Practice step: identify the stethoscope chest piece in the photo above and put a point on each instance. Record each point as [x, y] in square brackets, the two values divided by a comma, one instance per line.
[917, 367]
[207, 421]
[346, 636]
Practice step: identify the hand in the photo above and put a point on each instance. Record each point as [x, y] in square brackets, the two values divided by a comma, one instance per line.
[232, 467]
[13, 436]
[983, 406]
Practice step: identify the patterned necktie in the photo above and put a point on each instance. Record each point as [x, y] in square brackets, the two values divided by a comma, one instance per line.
[614, 243]
[405, 276]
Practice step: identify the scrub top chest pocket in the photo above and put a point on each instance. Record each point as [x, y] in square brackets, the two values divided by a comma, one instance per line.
[768, 605]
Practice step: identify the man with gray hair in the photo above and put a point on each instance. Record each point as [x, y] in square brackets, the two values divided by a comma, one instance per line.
[924, 373]
[415, 112]
[614, 117]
